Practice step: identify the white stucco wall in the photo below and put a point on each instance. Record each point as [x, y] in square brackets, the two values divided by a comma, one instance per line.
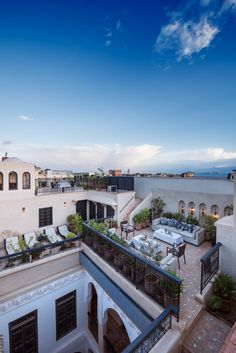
[171, 190]
[226, 234]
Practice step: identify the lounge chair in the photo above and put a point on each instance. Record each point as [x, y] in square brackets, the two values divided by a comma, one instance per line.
[52, 236]
[12, 245]
[30, 239]
[64, 231]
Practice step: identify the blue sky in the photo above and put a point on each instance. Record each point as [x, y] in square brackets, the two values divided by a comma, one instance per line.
[119, 84]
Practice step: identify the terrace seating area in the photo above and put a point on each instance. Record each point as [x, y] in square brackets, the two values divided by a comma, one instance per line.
[18, 249]
[191, 234]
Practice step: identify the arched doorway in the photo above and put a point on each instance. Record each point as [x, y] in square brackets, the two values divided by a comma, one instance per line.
[92, 312]
[115, 335]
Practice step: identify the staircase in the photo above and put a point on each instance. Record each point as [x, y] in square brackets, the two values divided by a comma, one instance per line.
[137, 201]
[207, 336]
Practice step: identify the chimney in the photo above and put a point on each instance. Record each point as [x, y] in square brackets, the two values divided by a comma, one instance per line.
[5, 157]
[234, 202]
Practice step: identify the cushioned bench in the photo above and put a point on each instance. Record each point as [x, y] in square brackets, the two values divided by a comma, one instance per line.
[196, 237]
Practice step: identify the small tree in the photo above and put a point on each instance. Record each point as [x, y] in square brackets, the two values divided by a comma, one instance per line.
[208, 222]
[159, 205]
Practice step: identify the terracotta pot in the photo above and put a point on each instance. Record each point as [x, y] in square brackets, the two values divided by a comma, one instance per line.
[136, 275]
[96, 244]
[138, 226]
[126, 268]
[226, 305]
[109, 254]
[170, 300]
[89, 240]
[118, 260]
[150, 283]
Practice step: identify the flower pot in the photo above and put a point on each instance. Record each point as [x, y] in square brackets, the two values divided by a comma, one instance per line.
[147, 222]
[126, 268]
[208, 235]
[109, 253]
[118, 260]
[159, 294]
[150, 283]
[136, 274]
[96, 244]
[170, 300]
[226, 305]
[89, 240]
[138, 226]
[101, 249]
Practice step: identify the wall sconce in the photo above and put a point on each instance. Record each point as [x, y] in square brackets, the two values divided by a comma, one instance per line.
[64, 203]
[23, 209]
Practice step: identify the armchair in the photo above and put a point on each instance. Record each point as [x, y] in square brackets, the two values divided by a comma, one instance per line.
[126, 228]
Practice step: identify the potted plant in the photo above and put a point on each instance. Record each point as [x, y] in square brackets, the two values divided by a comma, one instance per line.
[214, 304]
[192, 220]
[127, 264]
[150, 282]
[138, 221]
[224, 287]
[158, 206]
[118, 259]
[71, 244]
[22, 246]
[75, 223]
[36, 251]
[145, 214]
[172, 290]
[137, 272]
[208, 222]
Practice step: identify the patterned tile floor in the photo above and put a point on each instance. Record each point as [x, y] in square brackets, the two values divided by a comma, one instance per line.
[207, 336]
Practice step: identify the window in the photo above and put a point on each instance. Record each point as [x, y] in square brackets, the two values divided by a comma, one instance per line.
[1, 181]
[12, 181]
[26, 180]
[191, 208]
[65, 314]
[182, 207]
[23, 334]
[45, 217]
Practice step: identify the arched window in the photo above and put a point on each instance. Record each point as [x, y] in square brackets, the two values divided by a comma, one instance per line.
[1, 181]
[228, 211]
[12, 181]
[26, 180]
[215, 211]
[182, 207]
[191, 208]
[202, 209]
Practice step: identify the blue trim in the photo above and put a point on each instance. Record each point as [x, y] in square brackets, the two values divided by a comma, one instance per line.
[134, 312]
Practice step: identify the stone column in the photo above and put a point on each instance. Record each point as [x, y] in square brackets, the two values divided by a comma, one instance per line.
[88, 210]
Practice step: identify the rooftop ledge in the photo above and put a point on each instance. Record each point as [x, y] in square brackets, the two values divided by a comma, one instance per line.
[226, 221]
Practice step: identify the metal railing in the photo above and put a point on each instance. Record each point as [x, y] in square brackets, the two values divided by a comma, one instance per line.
[209, 265]
[161, 286]
[154, 332]
[34, 254]
[48, 190]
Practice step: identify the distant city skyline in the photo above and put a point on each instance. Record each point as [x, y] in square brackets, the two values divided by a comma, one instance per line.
[141, 85]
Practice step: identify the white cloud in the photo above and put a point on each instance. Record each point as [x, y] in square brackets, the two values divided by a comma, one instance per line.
[193, 26]
[107, 43]
[25, 118]
[118, 25]
[137, 157]
[186, 38]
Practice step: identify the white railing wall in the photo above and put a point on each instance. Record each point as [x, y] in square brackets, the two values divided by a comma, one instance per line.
[146, 203]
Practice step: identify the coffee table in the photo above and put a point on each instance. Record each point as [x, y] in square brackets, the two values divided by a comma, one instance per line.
[168, 237]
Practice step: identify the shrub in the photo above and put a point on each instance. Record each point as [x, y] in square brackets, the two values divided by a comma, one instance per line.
[75, 221]
[192, 220]
[224, 286]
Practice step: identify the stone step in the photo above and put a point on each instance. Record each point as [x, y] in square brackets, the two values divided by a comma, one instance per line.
[207, 336]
